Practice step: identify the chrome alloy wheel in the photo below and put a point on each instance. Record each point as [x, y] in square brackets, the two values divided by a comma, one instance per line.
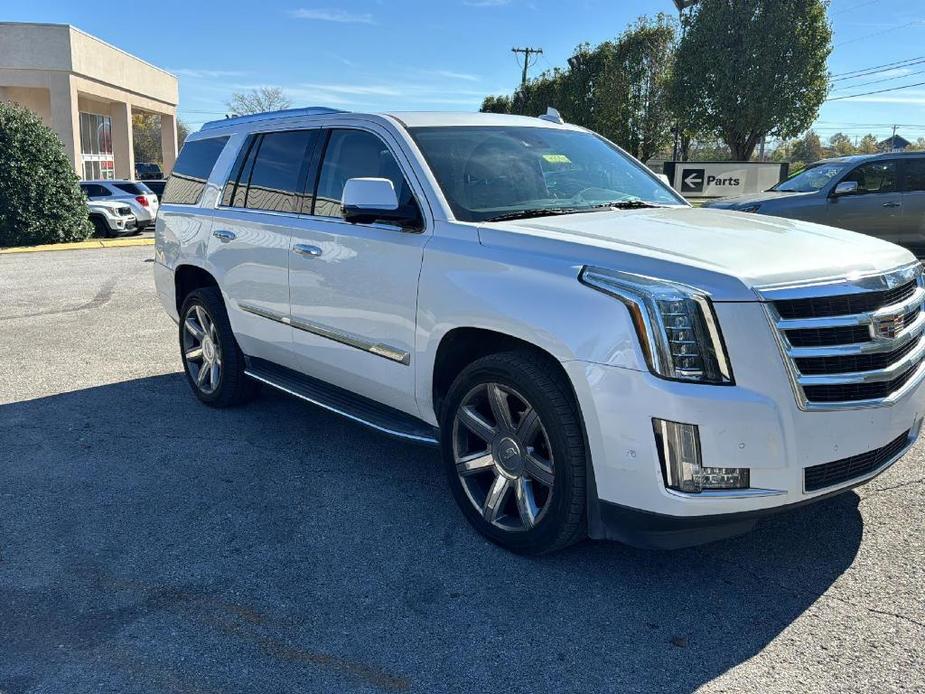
[503, 457]
[201, 349]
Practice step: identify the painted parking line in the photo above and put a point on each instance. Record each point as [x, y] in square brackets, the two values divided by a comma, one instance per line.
[80, 245]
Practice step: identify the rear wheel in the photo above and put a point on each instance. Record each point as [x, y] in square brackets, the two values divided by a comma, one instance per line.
[514, 452]
[212, 360]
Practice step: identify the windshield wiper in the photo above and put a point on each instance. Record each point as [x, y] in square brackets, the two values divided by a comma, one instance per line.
[536, 212]
[626, 205]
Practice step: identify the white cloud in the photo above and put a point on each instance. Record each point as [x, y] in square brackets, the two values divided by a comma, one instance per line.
[333, 15]
[197, 73]
[354, 89]
[451, 75]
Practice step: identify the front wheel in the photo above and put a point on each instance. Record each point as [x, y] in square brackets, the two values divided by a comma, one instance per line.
[212, 360]
[514, 452]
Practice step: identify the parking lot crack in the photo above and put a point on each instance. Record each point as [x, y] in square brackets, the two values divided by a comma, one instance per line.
[102, 297]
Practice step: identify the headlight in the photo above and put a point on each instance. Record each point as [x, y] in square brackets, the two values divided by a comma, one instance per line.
[676, 324]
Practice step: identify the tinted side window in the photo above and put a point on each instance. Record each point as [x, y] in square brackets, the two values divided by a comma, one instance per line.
[189, 176]
[94, 190]
[235, 192]
[876, 177]
[356, 154]
[131, 188]
[915, 174]
[277, 179]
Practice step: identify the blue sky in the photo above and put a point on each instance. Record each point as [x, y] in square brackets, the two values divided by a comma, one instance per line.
[448, 54]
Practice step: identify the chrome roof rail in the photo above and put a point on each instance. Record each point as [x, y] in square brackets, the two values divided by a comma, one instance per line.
[271, 115]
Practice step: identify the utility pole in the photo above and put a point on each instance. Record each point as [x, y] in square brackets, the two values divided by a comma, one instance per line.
[527, 52]
[893, 140]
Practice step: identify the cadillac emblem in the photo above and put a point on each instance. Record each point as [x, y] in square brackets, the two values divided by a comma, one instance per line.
[888, 327]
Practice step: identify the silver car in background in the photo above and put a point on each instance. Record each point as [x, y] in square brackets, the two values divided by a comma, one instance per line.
[878, 194]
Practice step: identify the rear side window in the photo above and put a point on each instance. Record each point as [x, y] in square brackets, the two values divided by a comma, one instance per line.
[191, 172]
[915, 175]
[270, 172]
[95, 190]
[132, 188]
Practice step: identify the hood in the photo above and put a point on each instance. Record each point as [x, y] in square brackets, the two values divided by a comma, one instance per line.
[725, 253]
[740, 201]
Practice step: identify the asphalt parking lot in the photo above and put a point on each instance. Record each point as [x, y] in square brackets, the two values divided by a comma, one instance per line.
[149, 544]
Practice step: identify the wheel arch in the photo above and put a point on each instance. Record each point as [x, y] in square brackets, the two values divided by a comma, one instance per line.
[188, 278]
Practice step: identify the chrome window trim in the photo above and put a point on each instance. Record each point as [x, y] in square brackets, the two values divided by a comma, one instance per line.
[377, 348]
[859, 284]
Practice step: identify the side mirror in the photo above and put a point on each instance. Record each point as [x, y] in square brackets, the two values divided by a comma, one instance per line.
[368, 200]
[845, 188]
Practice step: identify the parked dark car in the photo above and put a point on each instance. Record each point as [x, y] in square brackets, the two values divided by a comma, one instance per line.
[157, 187]
[878, 194]
[148, 171]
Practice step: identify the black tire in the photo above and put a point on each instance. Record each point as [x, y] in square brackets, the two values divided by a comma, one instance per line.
[100, 227]
[233, 387]
[534, 380]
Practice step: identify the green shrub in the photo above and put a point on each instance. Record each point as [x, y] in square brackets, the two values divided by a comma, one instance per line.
[40, 201]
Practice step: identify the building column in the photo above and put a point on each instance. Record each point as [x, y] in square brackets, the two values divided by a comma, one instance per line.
[65, 118]
[123, 151]
[168, 142]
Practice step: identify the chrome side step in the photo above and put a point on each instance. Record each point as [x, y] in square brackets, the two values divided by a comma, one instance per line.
[350, 405]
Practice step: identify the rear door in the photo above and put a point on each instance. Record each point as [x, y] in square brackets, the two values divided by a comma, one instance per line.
[354, 287]
[876, 208]
[259, 208]
[913, 219]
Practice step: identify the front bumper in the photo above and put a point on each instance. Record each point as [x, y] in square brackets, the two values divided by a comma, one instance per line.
[758, 427]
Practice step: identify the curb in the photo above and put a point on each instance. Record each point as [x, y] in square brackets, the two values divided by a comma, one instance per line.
[79, 245]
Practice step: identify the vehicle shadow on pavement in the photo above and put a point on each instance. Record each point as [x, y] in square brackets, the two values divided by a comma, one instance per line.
[148, 543]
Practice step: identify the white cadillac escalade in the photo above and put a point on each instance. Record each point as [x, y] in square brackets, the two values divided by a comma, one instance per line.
[592, 355]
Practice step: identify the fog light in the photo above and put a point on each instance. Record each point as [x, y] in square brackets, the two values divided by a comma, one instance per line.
[679, 451]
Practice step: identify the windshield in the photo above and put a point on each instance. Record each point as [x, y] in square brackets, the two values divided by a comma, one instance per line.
[811, 179]
[492, 172]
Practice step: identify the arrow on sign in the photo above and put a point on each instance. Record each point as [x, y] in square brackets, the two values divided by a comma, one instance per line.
[693, 180]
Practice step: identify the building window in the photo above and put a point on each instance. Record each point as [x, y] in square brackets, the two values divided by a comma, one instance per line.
[96, 146]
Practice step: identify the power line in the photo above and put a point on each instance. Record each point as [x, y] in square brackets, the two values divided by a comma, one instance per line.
[883, 79]
[854, 7]
[864, 71]
[878, 91]
[878, 33]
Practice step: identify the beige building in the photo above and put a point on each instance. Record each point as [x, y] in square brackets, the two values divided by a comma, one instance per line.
[87, 91]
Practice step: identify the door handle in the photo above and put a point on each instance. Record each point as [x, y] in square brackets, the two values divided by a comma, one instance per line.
[224, 235]
[307, 251]
[892, 204]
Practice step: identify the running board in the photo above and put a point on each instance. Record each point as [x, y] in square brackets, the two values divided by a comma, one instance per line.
[350, 405]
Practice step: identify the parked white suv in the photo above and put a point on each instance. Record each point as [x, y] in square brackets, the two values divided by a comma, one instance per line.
[592, 355]
[111, 218]
[138, 196]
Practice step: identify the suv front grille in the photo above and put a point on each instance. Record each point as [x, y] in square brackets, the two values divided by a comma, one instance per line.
[852, 343]
[829, 474]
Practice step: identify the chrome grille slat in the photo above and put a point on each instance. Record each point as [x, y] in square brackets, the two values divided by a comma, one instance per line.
[862, 359]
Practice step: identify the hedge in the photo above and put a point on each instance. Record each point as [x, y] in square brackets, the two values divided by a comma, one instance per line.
[40, 201]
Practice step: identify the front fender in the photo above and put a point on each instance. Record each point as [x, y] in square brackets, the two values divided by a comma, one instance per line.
[536, 299]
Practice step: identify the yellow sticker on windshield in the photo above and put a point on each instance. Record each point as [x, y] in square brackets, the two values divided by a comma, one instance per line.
[557, 159]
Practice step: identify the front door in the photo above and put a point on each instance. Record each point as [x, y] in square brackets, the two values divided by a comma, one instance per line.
[876, 207]
[353, 287]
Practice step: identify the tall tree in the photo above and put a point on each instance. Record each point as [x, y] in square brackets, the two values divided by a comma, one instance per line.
[841, 145]
[808, 148]
[258, 100]
[618, 88]
[869, 144]
[751, 68]
[146, 137]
